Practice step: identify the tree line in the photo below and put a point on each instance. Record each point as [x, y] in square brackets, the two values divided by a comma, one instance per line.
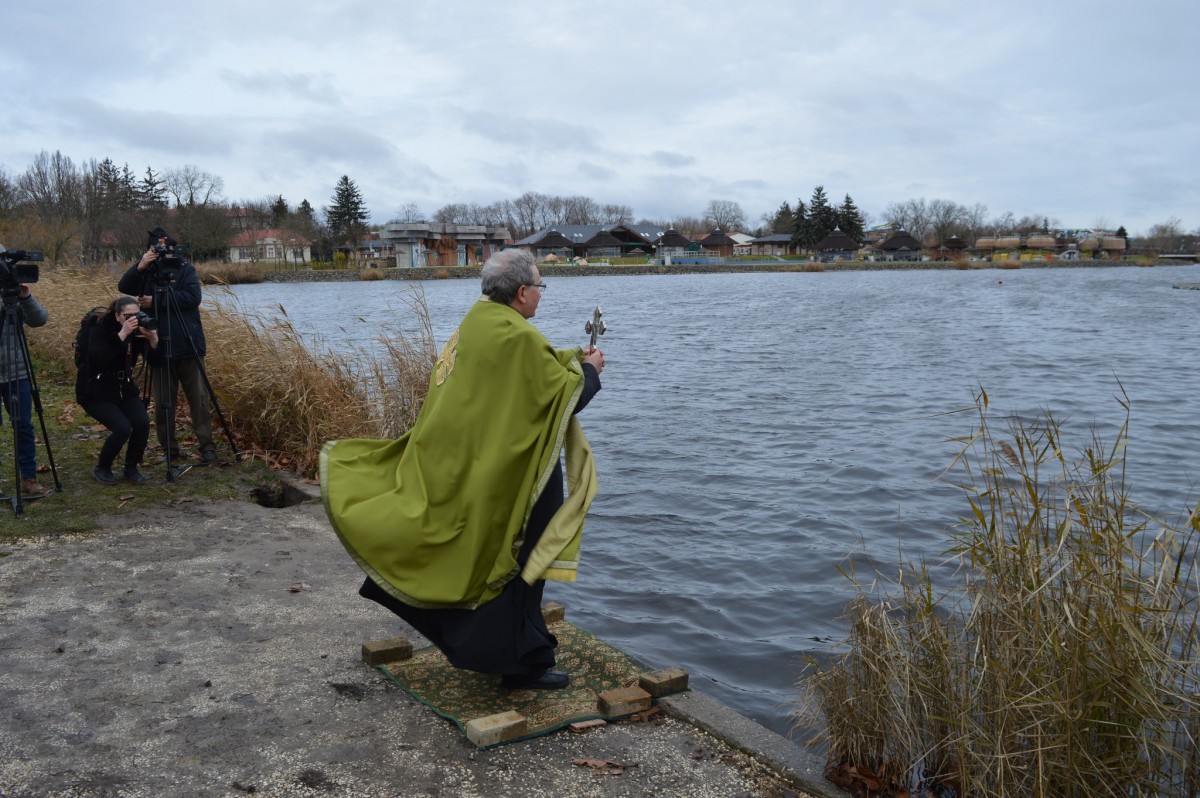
[97, 210]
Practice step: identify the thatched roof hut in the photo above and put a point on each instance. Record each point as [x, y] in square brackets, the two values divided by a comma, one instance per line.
[1041, 242]
[718, 242]
[901, 245]
[900, 240]
[985, 243]
[553, 240]
[954, 242]
[837, 241]
[602, 240]
[671, 238]
[1115, 243]
[1008, 242]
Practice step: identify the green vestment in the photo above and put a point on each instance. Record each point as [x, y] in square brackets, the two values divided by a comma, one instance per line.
[437, 517]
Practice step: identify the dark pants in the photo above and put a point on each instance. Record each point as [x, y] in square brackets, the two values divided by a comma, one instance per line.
[185, 372]
[17, 400]
[128, 421]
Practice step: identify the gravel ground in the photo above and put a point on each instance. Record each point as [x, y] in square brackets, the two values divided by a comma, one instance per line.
[213, 648]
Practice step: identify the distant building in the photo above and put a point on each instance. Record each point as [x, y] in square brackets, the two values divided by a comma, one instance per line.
[423, 244]
[837, 246]
[900, 246]
[275, 246]
[775, 244]
[580, 240]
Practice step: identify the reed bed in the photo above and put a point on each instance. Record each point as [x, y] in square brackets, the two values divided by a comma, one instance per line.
[219, 273]
[1065, 662]
[282, 396]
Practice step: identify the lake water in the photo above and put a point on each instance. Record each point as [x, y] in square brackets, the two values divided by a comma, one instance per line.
[756, 431]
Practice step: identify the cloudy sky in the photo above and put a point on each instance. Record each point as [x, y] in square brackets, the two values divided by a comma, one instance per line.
[1086, 112]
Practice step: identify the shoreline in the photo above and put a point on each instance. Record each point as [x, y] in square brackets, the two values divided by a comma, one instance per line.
[799, 267]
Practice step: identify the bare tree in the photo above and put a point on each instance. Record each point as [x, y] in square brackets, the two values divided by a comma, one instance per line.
[191, 186]
[52, 187]
[528, 213]
[409, 212]
[911, 216]
[945, 219]
[724, 215]
[611, 213]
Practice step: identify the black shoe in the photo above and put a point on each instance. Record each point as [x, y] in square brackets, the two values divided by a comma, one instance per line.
[209, 456]
[538, 680]
[104, 475]
[134, 476]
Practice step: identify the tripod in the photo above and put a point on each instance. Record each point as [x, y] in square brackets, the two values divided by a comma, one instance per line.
[166, 307]
[12, 338]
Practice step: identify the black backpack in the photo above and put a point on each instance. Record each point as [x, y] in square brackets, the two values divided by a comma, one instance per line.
[81, 338]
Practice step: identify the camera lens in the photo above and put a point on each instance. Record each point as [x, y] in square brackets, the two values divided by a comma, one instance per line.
[146, 321]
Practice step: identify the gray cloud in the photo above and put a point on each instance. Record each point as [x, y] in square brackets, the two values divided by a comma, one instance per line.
[318, 89]
[163, 131]
[671, 160]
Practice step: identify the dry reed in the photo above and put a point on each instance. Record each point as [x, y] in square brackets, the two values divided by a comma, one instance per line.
[282, 397]
[371, 274]
[219, 273]
[1065, 664]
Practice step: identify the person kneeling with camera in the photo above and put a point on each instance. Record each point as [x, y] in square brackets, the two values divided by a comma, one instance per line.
[105, 388]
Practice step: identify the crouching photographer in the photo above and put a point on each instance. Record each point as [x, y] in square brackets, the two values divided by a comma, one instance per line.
[105, 387]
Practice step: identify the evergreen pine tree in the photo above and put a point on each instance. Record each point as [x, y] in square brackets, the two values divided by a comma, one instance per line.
[850, 220]
[803, 234]
[152, 192]
[784, 221]
[822, 216]
[279, 211]
[347, 216]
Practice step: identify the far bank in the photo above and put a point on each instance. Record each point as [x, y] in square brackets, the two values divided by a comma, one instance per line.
[564, 270]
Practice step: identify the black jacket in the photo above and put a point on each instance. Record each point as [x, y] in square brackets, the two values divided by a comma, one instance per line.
[185, 336]
[107, 374]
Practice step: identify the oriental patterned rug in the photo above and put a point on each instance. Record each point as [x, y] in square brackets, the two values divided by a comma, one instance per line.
[462, 696]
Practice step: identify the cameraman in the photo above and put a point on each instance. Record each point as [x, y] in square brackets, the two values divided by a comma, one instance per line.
[183, 339]
[15, 389]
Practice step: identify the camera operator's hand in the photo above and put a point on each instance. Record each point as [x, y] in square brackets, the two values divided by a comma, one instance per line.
[144, 302]
[149, 335]
[24, 292]
[127, 327]
[148, 258]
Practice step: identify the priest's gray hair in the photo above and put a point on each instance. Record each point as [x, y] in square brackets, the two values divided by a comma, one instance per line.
[505, 273]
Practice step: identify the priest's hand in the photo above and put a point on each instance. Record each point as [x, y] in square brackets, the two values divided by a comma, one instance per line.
[595, 357]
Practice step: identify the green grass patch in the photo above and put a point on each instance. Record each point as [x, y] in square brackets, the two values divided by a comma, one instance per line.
[75, 441]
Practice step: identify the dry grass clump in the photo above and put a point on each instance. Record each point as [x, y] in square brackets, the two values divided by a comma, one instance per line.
[215, 272]
[282, 397]
[1064, 664]
[1007, 264]
[806, 266]
[370, 274]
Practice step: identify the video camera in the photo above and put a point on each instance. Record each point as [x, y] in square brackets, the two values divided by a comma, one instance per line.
[170, 256]
[17, 266]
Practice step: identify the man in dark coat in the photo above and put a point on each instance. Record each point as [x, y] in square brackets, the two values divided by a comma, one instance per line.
[168, 288]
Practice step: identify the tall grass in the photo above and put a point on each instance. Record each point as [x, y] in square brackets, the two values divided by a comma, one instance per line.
[283, 396]
[221, 273]
[1063, 664]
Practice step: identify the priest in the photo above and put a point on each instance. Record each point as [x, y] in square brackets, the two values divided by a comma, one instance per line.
[458, 523]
